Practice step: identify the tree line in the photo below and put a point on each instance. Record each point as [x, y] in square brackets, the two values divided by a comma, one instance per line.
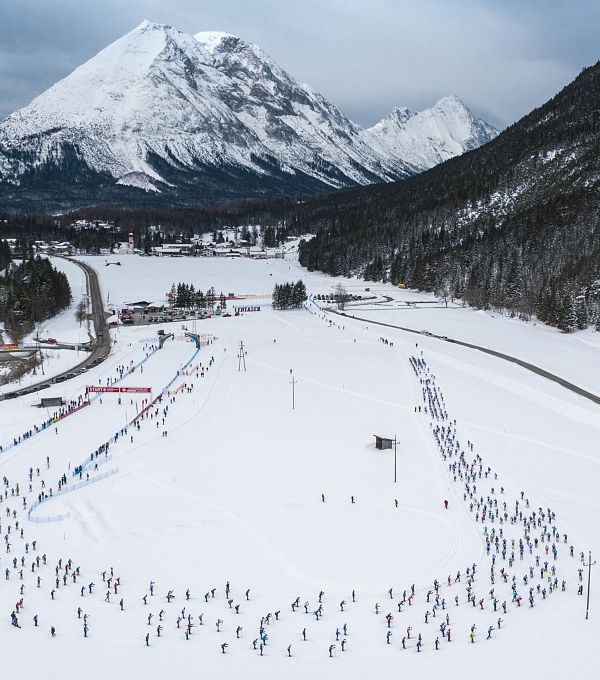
[186, 296]
[30, 292]
[289, 295]
[513, 225]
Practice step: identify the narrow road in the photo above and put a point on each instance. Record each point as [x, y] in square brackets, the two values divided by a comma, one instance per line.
[100, 346]
[500, 355]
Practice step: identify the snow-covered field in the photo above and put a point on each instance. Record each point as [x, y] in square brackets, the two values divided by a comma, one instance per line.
[232, 493]
[573, 356]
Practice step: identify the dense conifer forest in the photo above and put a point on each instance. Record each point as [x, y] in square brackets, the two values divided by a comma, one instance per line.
[514, 224]
[31, 291]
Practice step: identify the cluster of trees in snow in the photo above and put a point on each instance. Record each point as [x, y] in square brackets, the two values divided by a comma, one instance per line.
[31, 291]
[289, 295]
[186, 296]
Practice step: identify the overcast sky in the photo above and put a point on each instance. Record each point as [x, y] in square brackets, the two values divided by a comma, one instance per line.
[502, 57]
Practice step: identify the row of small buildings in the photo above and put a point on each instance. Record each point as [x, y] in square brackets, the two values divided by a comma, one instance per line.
[43, 247]
[219, 250]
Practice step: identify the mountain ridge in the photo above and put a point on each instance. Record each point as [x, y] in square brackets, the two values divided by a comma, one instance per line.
[181, 118]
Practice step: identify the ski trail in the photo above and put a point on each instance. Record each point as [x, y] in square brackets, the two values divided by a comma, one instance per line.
[563, 407]
[531, 440]
[320, 383]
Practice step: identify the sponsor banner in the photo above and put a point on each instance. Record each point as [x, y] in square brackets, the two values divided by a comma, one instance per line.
[8, 347]
[98, 388]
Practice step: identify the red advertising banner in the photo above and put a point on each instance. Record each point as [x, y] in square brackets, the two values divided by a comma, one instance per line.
[97, 388]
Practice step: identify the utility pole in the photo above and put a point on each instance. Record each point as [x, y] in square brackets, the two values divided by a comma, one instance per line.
[241, 357]
[293, 382]
[395, 459]
[589, 565]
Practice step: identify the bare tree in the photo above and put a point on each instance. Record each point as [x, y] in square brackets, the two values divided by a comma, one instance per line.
[444, 293]
[341, 296]
[81, 312]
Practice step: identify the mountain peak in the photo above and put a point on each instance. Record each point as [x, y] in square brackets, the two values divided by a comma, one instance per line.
[450, 100]
[162, 111]
[146, 26]
[226, 46]
[401, 114]
[431, 136]
[211, 39]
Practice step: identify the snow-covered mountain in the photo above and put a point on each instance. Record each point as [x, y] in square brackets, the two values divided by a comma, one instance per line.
[204, 118]
[424, 139]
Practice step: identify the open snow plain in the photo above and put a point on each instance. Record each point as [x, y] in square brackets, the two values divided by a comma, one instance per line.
[232, 493]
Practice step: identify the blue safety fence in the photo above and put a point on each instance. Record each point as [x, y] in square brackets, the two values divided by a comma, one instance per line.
[50, 422]
[97, 456]
[96, 462]
[66, 489]
[97, 395]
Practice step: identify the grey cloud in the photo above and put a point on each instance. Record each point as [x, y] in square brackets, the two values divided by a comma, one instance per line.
[501, 57]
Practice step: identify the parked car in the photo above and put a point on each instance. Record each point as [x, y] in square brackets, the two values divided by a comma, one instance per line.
[51, 341]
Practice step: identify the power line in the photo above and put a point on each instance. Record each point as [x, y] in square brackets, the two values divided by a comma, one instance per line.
[293, 382]
[589, 565]
[241, 356]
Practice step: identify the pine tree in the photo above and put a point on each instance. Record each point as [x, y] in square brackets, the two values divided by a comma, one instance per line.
[567, 318]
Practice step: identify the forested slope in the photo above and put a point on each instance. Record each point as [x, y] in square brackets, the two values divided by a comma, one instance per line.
[514, 224]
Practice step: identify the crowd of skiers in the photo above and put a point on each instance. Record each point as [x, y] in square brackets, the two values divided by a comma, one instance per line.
[522, 549]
